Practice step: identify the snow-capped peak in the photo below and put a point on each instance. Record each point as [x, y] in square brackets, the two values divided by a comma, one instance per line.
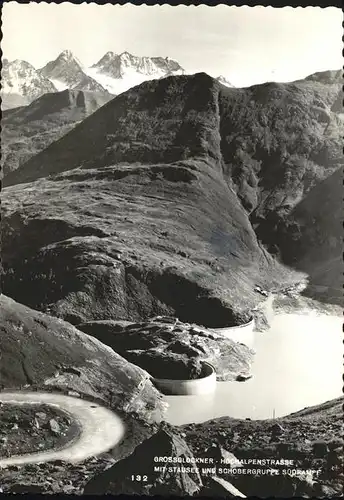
[68, 54]
[68, 57]
[66, 71]
[21, 78]
[119, 72]
[18, 64]
[63, 60]
[106, 57]
[222, 79]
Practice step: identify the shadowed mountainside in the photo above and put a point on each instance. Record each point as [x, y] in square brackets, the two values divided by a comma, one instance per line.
[129, 242]
[146, 206]
[29, 129]
[311, 238]
[245, 130]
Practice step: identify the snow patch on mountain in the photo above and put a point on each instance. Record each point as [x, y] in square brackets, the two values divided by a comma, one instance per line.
[117, 65]
[58, 84]
[130, 79]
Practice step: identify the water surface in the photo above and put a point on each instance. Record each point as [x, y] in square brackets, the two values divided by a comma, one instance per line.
[298, 363]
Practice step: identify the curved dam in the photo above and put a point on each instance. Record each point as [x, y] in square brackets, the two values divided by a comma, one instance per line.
[243, 334]
[184, 387]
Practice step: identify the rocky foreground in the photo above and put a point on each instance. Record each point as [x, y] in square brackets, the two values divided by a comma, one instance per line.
[26, 429]
[311, 438]
[212, 454]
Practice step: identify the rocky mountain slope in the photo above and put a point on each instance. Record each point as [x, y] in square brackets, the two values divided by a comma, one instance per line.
[29, 129]
[158, 212]
[131, 242]
[311, 438]
[38, 351]
[264, 155]
[21, 83]
[158, 203]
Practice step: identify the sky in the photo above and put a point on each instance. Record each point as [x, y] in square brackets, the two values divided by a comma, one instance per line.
[247, 45]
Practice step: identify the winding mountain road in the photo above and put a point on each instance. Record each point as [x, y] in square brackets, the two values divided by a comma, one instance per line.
[100, 428]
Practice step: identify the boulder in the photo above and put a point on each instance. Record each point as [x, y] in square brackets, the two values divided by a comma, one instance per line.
[54, 427]
[41, 415]
[222, 456]
[320, 449]
[140, 474]
[223, 488]
[276, 428]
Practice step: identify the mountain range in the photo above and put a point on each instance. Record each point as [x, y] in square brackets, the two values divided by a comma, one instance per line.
[113, 73]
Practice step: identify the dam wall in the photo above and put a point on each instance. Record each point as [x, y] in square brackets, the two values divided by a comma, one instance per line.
[244, 334]
[203, 385]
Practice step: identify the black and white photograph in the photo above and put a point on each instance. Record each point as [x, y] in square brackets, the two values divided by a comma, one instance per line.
[171, 250]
